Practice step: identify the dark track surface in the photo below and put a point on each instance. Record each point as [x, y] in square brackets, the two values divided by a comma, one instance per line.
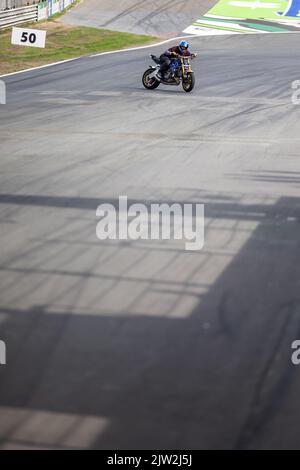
[167, 18]
[142, 344]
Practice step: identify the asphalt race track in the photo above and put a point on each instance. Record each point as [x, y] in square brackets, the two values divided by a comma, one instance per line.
[166, 18]
[141, 344]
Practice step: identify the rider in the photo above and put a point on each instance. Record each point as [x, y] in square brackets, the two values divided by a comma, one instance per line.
[165, 59]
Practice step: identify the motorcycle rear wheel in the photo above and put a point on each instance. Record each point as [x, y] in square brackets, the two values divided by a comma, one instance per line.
[188, 83]
[150, 83]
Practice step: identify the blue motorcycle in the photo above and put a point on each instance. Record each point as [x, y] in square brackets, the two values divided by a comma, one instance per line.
[180, 72]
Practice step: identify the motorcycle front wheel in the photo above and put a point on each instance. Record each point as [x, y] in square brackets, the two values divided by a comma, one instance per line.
[150, 82]
[188, 83]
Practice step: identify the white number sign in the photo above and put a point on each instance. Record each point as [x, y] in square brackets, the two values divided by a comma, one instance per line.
[28, 37]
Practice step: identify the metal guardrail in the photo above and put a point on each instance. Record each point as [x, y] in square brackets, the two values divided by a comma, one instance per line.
[8, 4]
[18, 15]
[39, 11]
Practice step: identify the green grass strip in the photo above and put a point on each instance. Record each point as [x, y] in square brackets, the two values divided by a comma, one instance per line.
[64, 42]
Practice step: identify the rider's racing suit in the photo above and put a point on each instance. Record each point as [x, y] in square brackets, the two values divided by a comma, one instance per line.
[165, 58]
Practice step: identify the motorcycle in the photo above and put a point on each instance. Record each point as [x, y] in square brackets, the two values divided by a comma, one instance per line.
[180, 71]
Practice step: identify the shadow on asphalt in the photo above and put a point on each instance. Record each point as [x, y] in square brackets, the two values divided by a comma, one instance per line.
[218, 378]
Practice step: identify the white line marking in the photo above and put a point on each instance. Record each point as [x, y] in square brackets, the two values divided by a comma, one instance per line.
[254, 5]
[141, 47]
[40, 67]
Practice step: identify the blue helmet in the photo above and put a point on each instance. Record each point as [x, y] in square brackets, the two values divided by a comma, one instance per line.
[184, 45]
